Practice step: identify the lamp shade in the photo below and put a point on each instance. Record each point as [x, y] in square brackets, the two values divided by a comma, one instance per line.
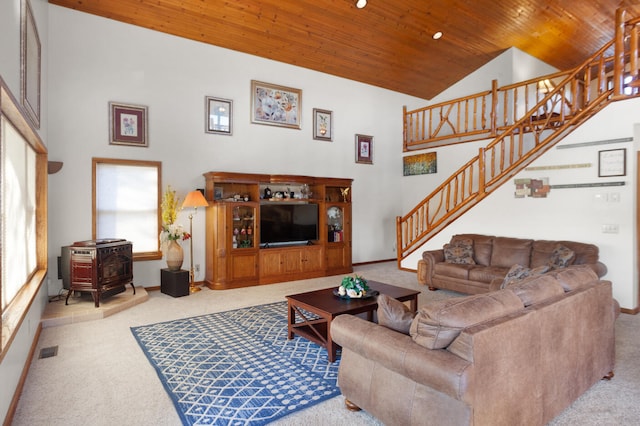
[195, 199]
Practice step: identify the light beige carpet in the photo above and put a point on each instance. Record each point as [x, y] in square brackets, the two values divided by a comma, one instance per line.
[100, 375]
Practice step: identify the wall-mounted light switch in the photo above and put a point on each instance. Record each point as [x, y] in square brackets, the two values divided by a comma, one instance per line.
[610, 228]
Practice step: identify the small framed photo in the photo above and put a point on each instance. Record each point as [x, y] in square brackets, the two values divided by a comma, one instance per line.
[322, 125]
[364, 149]
[612, 162]
[275, 105]
[218, 193]
[128, 124]
[219, 116]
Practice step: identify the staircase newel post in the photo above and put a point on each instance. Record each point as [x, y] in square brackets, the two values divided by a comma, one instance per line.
[633, 54]
[399, 245]
[618, 63]
[494, 107]
[405, 140]
[481, 173]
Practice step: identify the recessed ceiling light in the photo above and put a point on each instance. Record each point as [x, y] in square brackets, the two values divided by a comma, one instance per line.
[437, 35]
[360, 4]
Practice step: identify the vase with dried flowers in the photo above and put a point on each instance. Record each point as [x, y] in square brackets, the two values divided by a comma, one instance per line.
[171, 232]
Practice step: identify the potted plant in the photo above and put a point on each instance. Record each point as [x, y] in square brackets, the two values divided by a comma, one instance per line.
[353, 287]
[171, 232]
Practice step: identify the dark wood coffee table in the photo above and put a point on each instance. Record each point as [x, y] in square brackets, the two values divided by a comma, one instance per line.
[327, 306]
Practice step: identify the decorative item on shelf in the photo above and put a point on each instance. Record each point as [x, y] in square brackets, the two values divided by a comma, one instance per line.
[194, 199]
[354, 287]
[172, 232]
[304, 191]
[345, 194]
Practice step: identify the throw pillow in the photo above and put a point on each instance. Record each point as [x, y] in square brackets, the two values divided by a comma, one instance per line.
[459, 252]
[518, 273]
[561, 257]
[394, 314]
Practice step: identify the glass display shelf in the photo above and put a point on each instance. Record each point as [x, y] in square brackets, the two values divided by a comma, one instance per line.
[243, 235]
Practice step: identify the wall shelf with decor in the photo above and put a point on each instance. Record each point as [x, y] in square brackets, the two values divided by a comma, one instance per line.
[263, 229]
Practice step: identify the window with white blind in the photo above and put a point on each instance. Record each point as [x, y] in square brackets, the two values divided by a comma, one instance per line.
[23, 205]
[18, 211]
[126, 203]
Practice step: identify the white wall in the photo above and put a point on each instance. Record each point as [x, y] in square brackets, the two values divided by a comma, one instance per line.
[95, 60]
[511, 66]
[14, 360]
[568, 214]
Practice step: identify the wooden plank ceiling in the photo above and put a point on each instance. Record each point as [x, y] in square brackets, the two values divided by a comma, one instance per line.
[388, 43]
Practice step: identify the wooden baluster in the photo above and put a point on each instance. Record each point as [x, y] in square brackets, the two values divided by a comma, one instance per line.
[618, 63]
[481, 172]
[494, 108]
[633, 58]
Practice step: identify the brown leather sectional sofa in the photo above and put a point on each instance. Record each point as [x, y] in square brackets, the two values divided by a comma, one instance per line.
[516, 356]
[492, 259]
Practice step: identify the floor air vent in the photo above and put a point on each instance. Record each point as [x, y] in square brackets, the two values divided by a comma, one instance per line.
[48, 352]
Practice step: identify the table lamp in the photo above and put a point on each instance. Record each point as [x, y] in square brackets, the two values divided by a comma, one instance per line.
[193, 199]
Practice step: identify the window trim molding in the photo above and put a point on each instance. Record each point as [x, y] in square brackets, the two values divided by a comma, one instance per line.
[14, 314]
[153, 255]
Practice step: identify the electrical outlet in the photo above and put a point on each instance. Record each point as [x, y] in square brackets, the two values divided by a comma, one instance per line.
[197, 268]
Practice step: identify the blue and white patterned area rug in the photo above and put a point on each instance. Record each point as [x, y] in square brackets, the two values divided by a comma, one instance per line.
[237, 367]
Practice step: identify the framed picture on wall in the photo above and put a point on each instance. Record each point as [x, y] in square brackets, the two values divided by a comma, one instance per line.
[128, 124]
[612, 162]
[275, 105]
[30, 64]
[420, 164]
[364, 149]
[219, 116]
[322, 125]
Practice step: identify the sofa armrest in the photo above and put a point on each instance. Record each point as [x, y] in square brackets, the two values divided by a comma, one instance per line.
[438, 369]
[426, 265]
[599, 268]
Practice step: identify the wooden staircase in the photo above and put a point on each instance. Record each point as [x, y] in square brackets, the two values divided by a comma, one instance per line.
[524, 120]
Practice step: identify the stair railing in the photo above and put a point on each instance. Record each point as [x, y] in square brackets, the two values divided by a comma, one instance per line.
[545, 123]
[582, 93]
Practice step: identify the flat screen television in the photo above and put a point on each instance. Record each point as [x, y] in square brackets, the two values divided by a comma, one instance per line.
[288, 224]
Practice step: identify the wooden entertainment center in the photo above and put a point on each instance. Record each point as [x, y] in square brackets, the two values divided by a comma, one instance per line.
[235, 254]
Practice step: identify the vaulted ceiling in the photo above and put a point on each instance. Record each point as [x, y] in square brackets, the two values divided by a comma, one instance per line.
[389, 43]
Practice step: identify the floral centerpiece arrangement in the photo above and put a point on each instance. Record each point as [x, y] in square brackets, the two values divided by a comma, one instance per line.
[354, 287]
[170, 230]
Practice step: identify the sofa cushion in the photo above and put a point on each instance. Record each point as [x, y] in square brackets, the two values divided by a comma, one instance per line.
[486, 274]
[518, 273]
[459, 252]
[537, 289]
[541, 252]
[394, 314]
[575, 277]
[482, 246]
[510, 251]
[452, 270]
[561, 257]
[438, 323]
[585, 252]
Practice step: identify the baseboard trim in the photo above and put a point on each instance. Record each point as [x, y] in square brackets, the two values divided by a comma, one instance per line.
[8, 420]
[374, 261]
[633, 311]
